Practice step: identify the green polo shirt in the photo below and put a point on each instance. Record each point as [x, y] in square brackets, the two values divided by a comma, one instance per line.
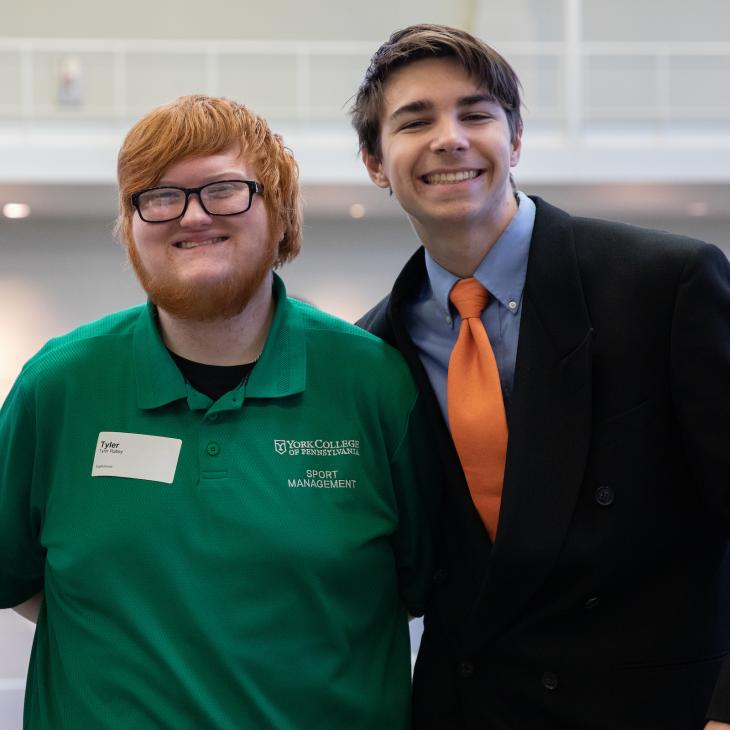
[261, 577]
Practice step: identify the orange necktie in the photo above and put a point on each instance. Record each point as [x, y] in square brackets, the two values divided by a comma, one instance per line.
[475, 405]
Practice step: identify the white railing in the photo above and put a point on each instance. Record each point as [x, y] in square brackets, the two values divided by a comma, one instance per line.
[117, 79]
[572, 85]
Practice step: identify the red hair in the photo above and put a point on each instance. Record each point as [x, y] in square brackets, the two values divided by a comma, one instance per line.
[196, 126]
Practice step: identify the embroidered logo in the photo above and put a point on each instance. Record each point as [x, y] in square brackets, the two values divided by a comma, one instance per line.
[317, 447]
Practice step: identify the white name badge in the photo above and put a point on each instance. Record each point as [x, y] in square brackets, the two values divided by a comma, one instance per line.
[136, 456]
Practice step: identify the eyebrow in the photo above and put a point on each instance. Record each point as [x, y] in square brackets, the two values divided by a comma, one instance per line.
[416, 107]
[216, 177]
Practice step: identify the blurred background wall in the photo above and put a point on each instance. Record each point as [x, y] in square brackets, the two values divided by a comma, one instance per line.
[627, 117]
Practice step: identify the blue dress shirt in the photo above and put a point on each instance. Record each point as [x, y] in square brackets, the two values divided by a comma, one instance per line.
[433, 322]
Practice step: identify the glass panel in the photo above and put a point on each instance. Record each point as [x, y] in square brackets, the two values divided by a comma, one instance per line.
[267, 83]
[620, 88]
[154, 79]
[334, 80]
[519, 20]
[542, 86]
[73, 84]
[699, 88]
[10, 83]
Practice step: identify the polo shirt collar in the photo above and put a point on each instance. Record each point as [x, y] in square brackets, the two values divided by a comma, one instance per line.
[159, 381]
[280, 370]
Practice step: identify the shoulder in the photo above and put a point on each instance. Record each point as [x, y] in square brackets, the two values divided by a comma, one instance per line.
[376, 319]
[318, 324]
[608, 243]
[407, 287]
[348, 348]
[84, 345]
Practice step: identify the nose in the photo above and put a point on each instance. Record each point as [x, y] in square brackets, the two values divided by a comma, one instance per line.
[195, 213]
[450, 136]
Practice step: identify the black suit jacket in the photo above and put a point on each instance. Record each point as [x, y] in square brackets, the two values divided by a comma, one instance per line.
[603, 603]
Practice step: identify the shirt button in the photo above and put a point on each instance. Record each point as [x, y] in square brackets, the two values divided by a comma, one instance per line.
[448, 319]
[512, 305]
[466, 669]
[213, 448]
[549, 680]
[211, 417]
[604, 496]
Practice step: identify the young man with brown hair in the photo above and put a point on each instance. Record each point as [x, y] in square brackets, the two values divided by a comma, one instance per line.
[578, 377]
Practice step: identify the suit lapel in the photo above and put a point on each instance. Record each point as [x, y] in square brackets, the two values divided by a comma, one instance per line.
[549, 426]
[405, 289]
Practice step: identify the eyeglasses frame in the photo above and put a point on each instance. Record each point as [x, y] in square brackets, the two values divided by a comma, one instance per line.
[253, 188]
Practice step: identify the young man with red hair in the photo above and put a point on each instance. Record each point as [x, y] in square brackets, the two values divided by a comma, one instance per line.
[224, 494]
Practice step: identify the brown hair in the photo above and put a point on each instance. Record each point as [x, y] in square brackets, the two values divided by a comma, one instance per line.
[417, 42]
[195, 126]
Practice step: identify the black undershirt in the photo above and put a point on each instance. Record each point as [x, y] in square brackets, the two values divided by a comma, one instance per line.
[212, 380]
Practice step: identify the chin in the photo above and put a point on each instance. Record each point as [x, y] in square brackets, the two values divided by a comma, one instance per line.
[206, 296]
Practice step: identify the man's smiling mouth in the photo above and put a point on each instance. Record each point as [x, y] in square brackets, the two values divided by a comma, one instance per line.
[445, 178]
[197, 244]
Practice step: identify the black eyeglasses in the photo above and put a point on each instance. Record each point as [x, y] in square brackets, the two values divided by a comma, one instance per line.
[223, 197]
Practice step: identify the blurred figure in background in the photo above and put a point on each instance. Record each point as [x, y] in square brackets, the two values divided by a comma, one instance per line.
[577, 374]
[222, 494]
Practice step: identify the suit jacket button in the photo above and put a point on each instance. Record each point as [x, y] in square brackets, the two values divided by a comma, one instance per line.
[466, 669]
[591, 603]
[604, 496]
[549, 680]
[440, 575]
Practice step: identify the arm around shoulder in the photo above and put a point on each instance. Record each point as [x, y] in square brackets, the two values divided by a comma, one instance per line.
[418, 483]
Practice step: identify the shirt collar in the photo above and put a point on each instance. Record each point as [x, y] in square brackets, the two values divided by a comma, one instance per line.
[502, 271]
[159, 381]
[280, 370]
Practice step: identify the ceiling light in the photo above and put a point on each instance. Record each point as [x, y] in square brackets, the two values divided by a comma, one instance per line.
[16, 210]
[357, 210]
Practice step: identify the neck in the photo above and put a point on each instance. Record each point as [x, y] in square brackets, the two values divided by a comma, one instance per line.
[461, 248]
[232, 341]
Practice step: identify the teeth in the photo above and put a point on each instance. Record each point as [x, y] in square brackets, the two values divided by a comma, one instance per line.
[451, 177]
[195, 244]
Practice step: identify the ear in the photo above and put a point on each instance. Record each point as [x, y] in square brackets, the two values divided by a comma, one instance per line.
[514, 156]
[375, 169]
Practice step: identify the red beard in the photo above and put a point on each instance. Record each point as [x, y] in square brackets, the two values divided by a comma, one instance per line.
[222, 299]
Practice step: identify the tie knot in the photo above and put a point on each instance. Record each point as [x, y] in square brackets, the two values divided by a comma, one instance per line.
[469, 297]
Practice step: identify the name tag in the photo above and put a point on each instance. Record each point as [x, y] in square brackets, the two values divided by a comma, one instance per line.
[136, 456]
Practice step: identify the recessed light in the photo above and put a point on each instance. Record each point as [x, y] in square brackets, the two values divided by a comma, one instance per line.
[16, 210]
[357, 210]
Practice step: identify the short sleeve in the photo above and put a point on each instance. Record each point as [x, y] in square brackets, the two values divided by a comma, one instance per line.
[21, 555]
